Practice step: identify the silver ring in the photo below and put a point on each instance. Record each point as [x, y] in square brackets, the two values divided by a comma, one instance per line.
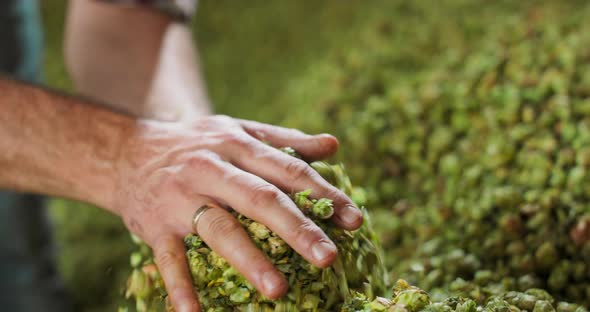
[198, 215]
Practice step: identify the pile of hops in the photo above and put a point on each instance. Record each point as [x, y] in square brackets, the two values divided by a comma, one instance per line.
[481, 160]
[357, 270]
[355, 283]
[408, 298]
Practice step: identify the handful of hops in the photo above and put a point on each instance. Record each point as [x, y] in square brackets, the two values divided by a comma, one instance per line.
[357, 270]
[408, 298]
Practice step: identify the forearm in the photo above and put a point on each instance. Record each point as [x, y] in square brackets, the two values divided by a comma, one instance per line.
[154, 174]
[135, 60]
[57, 145]
[177, 90]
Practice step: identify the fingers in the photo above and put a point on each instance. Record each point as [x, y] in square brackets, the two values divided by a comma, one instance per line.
[309, 146]
[171, 260]
[259, 200]
[292, 175]
[224, 234]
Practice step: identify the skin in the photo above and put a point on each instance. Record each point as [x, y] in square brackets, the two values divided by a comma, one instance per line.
[154, 173]
[153, 71]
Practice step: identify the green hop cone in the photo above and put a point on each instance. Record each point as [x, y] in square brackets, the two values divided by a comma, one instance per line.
[319, 208]
[323, 208]
[325, 170]
[277, 246]
[412, 298]
[543, 306]
[139, 285]
[258, 231]
[303, 201]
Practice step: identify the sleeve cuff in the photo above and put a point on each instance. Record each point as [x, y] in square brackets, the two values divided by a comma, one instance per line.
[180, 10]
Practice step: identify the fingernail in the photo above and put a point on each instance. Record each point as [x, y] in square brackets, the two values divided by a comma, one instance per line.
[188, 307]
[322, 250]
[271, 282]
[351, 214]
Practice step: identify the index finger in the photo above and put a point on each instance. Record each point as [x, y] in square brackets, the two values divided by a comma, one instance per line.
[292, 175]
[311, 147]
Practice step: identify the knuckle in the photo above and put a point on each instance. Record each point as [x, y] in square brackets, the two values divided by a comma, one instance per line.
[215, 121]
[264, 194]
[158, 184]
[222, 224]
[298, 169]
[249, 147]
[168, 258]
[305, 232]
[168, 182]
[241, 142]
[336, 195]
[201, 161]
[232, 138]
[222, 119]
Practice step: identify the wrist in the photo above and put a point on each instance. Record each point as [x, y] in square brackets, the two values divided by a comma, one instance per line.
[97, 172]
[141, 148]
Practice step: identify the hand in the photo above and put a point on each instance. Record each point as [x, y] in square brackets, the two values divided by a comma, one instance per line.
[167, 170]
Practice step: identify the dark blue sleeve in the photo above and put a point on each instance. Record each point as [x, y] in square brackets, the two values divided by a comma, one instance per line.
[180, 10]
[20, 39]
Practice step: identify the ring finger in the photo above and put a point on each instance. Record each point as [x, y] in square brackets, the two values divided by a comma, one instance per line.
[224, 234]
